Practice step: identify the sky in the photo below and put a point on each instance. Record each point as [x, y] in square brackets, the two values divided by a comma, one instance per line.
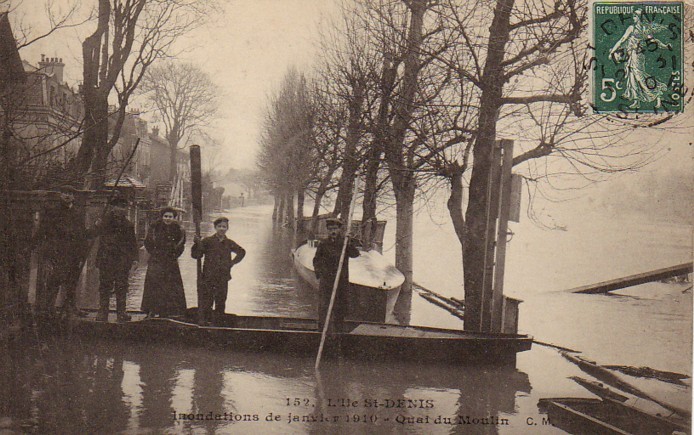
[245, 48]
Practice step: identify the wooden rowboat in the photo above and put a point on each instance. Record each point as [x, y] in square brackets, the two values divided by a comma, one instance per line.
[374, 283]
[298, 336]
[581, 416]
[615, 412]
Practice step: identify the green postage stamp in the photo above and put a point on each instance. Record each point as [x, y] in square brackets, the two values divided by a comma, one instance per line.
[637, 65]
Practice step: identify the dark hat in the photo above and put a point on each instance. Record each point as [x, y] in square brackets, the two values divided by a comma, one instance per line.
[332, 222]
[118, 201]
[220, 220]
[165, 210]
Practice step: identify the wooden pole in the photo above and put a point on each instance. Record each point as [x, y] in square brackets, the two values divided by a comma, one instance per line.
[492, 209]
[497, 316]
[196, 194]
[337, 276]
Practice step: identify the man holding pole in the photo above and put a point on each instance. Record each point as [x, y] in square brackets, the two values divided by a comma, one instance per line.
[326, 263]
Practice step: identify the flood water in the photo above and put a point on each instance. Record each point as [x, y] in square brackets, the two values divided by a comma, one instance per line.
[80, 386]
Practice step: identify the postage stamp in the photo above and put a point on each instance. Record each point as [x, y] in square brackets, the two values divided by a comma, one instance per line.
[637, 64]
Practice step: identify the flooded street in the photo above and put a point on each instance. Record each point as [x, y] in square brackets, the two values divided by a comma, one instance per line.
[80, 386]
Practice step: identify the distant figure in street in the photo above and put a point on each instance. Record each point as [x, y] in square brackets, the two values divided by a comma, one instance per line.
[243, 199]
[63, 240]
[325, 264]
[216, 271]
[165, 241]
[116, 256]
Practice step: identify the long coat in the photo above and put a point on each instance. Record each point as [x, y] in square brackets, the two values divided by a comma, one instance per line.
[117, 244]
[62, 237]
[163, 293]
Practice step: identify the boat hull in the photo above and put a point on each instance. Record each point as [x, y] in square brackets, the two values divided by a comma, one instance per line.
[372, 294]
[300, 337]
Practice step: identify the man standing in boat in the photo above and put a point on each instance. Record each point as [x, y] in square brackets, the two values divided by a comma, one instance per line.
[117, 255]
[63, 240]
[216, 272]
[325, 263]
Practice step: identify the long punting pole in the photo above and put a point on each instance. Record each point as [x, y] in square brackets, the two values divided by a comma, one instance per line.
[196, 194]
[337, 276]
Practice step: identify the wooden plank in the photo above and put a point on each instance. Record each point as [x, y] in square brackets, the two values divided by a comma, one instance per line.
[492, 213]
[497, 308]
[632, 280]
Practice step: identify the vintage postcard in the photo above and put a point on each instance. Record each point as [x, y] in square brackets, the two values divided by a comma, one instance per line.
[346, 216]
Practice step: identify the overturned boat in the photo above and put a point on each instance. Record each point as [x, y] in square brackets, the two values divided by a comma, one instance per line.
[374, 283]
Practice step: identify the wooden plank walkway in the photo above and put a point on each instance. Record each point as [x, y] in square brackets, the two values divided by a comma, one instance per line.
[640, 278]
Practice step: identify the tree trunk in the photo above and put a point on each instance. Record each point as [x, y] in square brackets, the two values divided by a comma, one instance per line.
[92, 157]
[173, 166]
[351, 159]
[370, 196]
[401, 175]
[314, 214]
[476, 213]
[455, 207]
[300, 199]
[403, 250]
[281, 208]
[290, 210]
[275, 207]
[404, 208]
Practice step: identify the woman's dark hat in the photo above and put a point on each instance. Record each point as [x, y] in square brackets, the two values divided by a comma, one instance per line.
[165, 210]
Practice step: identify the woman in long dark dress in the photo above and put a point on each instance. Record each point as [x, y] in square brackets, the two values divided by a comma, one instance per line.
[163, 295]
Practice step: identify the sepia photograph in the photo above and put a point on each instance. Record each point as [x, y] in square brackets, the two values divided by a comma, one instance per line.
[346, 216]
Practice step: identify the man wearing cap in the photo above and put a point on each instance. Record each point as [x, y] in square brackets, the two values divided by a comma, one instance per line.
[216, 272]
[325, 263]
[117, 254]
[62, 238]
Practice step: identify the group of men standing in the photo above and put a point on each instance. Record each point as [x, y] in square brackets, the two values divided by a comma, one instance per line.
[64, 241]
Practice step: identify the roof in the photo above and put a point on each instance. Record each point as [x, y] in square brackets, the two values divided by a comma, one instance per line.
[126, 181]
[11, 68]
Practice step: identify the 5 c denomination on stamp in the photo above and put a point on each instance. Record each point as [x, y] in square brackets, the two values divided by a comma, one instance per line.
[638, 56]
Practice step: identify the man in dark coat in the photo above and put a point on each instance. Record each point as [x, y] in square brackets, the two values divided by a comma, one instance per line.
[325, 264]
[216, 271]
[117, 254]
[62, 238]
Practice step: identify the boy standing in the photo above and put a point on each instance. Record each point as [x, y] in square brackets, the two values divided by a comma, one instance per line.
[216, 271]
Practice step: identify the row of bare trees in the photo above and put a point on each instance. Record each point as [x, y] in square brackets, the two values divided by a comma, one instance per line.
[413, 94]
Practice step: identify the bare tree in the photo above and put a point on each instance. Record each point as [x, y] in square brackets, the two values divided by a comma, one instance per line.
[184, 98]
[130, 35]
[287, 152]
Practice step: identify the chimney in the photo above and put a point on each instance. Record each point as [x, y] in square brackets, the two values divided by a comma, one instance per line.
[52, 65]
[155, 131]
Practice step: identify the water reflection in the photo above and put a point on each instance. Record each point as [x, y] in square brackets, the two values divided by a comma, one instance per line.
[60, 386]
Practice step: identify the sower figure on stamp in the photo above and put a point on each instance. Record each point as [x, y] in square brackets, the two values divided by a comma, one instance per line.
[163, 293]
[63, 240]
[216, 271]
[117, 255]
[325, 264]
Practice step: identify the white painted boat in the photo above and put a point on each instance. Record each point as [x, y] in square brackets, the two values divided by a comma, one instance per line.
[374, 282]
